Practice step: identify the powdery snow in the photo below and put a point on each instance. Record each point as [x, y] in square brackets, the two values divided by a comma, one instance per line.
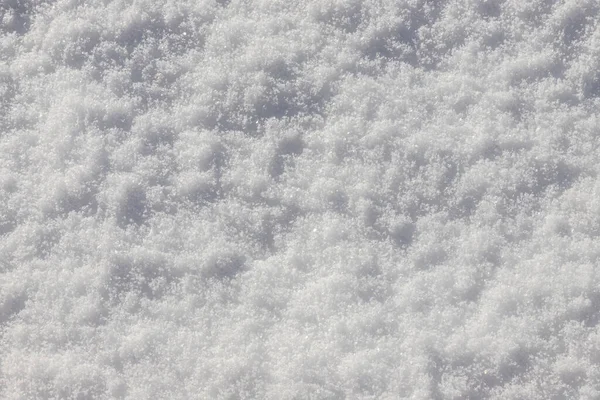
[283, 199]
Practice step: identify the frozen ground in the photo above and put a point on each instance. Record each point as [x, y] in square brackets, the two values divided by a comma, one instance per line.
[276, 199]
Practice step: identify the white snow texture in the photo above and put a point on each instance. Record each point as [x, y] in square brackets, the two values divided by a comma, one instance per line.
[286, 199]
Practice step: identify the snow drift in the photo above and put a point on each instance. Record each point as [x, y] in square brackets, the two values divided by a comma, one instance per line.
[327, 199]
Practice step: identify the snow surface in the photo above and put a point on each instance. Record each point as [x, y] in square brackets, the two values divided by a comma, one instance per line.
[284, 199]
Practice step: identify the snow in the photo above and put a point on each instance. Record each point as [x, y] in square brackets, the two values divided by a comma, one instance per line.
[323, 199]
